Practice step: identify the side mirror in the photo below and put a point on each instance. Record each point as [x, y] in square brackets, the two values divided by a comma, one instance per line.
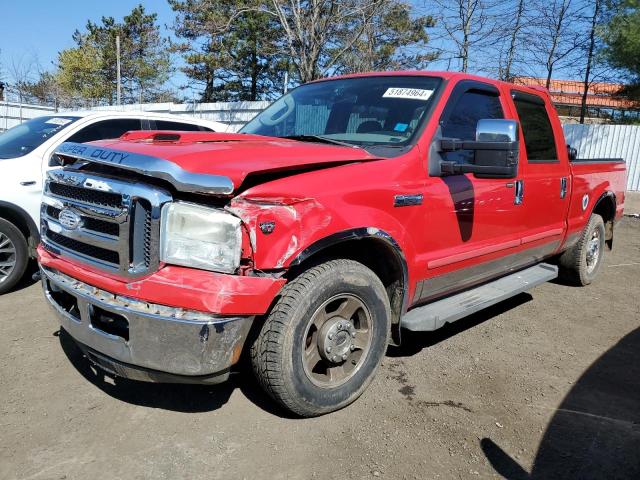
[572, 152]
[497, 130]
[496, 150]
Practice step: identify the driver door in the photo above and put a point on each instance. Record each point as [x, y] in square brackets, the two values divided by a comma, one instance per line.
[472, 225]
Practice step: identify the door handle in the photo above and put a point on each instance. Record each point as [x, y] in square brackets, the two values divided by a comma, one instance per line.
[563, 187]
[519, 184]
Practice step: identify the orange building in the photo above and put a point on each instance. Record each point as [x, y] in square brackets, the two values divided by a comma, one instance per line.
[604, 100]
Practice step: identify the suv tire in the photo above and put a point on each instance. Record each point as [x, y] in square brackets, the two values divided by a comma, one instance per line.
[14, 255]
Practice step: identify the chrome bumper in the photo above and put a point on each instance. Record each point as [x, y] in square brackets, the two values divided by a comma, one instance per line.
[145, 341]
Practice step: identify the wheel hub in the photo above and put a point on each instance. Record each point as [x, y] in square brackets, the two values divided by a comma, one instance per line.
[335, 340]
[7, 257]
[593, 251]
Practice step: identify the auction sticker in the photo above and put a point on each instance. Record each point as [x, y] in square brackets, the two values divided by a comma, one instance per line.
[58, 121]
[412, 93]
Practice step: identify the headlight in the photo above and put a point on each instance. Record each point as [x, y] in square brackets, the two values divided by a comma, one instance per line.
[200, 237]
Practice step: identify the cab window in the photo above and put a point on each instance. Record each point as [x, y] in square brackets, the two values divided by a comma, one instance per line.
[106, 129]
[536, 128]
[460, 119]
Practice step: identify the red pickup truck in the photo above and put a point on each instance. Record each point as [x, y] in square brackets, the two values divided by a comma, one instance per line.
[351, 210]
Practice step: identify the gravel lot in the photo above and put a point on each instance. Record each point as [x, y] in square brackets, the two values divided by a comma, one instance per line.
[546, 385]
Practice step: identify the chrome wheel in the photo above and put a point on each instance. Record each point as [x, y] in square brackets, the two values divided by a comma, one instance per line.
[593, 251]
[337, 340]
[8, 257]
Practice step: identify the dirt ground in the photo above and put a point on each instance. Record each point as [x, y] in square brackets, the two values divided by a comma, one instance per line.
[546, 385]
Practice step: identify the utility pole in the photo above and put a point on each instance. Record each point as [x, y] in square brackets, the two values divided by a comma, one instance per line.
[587, 74]
[118, 69]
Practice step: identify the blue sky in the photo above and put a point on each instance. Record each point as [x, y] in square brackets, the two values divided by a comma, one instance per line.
[44, 27]
[39, 29]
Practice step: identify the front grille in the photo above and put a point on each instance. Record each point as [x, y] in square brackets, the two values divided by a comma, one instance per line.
[116, 230]
[147, 238]
[90, 223]
[101, 226]
[95, 197]
[89, 250]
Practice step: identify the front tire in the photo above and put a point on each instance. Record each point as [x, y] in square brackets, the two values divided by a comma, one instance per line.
[580, 264]
[322, 342]
[14, 255]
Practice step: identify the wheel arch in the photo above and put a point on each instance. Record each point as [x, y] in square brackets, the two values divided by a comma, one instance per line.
[605, 206]
[23, 221]
[375, 249]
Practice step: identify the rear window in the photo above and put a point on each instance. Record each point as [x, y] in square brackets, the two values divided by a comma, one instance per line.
[185, 127]
[536, 128]
[106, 129]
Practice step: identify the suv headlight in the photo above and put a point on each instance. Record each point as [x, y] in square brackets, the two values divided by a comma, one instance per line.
[200, 237]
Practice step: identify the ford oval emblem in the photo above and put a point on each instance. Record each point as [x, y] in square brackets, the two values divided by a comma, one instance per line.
[69, 219]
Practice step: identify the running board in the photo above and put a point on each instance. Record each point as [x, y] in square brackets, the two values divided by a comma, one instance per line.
[436, 314]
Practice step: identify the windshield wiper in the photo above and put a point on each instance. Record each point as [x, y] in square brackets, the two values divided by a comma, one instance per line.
[318, 139]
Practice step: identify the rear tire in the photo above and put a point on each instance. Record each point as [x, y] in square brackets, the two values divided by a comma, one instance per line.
[14, 255]
[322, 342]
[580, 264]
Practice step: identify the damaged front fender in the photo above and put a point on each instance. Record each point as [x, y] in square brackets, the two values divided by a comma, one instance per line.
[280, 227]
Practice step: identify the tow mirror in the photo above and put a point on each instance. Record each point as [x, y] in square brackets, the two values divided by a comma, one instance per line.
[497, 130]
[495, 149]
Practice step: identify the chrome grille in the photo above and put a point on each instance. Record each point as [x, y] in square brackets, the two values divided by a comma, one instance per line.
[94, 197]
[102, 254]
[90, 223]
[108, 223]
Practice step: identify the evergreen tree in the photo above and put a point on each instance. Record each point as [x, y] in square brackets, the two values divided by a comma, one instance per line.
[89, 70]
[621, 36]
[229, 47]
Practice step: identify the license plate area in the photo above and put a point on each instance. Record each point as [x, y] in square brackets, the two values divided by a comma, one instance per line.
[109, 322]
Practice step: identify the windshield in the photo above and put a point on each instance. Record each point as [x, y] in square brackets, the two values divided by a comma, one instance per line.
[27, 136]
[364, 111]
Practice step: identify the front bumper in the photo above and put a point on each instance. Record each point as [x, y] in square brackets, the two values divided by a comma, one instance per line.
[145, 341]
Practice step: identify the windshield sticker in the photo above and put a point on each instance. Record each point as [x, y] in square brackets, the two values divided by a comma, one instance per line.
[400, 127]
[58, 121]
[412, 93]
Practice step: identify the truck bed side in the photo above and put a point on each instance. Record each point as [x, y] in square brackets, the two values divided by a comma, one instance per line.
[594, 182]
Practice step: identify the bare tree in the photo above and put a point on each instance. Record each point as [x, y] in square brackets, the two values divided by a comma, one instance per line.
[557, 35]
[311, 27]
[513, 30]
[467, 27]
[20, 72]
[590, 50]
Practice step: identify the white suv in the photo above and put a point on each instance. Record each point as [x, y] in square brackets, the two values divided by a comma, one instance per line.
[25, 156]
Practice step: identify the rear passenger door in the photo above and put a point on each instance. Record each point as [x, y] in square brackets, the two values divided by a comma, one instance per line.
[545, 174]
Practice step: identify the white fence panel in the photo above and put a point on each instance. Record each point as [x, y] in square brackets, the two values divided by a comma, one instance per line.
[609, 141]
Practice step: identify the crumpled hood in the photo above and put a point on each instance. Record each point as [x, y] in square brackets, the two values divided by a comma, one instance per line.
[234, 155]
